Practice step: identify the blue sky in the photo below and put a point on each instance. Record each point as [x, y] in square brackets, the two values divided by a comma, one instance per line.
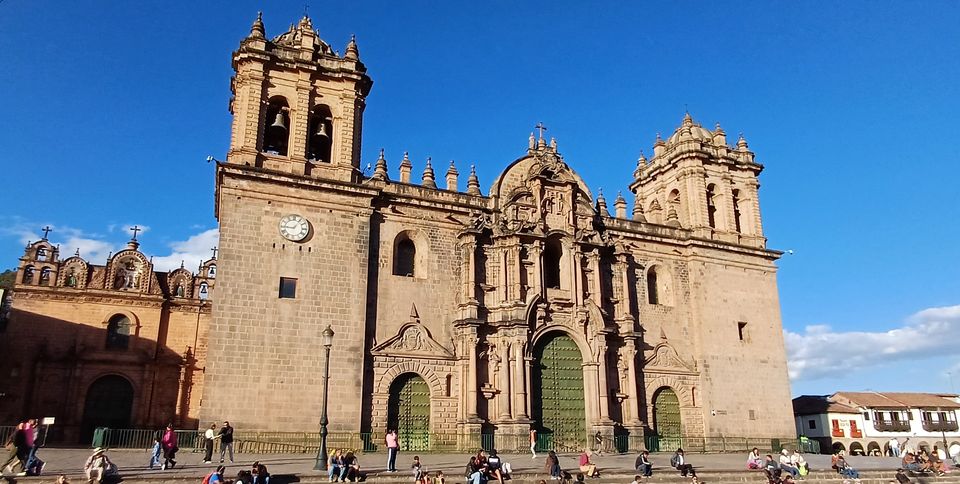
[109, 109]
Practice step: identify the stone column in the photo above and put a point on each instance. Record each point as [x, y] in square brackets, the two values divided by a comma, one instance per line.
[519, 385]
[469, 246]
[503, 396]
[623, 271]
[505, 277]
[633, 396]
[516, 267]
[604, 394]
[576, 268]
[471, 340]
[535, 250]
[596, 292]
[590, 390]
[527, 364]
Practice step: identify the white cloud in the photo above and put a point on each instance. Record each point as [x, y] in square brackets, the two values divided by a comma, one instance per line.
[191, 251]
[92, 250]
[820, 351]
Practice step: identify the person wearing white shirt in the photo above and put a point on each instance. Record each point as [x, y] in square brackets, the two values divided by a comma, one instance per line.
[208, 437]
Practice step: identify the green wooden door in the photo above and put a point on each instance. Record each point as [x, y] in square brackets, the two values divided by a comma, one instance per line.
[666, 419]
[409, 412]
[558, 407]
[109, 403]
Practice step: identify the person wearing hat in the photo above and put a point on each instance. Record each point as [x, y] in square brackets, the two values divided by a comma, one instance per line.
[98, 466]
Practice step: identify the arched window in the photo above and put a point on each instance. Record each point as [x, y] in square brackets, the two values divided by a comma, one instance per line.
[653, 294]
[45, 276]
[320, 135]
[28, 275]
[212, 270]
[551, 264]
[204, 291]
[41, 253]
[736, 210]
[118, 332]
[405, 257]
[711, 207]
[276, 128]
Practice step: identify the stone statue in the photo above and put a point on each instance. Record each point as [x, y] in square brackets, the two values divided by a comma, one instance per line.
[179, 292]
[72, 279]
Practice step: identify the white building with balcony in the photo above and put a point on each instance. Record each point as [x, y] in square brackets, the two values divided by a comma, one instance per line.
[866, 422]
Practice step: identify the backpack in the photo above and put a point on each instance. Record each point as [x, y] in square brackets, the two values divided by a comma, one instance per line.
[675, 460]
[206, 479]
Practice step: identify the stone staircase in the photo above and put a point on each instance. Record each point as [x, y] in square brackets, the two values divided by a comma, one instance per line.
[666, 476]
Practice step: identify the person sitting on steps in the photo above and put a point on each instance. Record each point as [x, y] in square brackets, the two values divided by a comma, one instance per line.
[679, 463]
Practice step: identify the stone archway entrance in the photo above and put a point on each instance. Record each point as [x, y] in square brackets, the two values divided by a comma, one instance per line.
[666, 419]
[408, 411]
[557, 401]
[109, 403]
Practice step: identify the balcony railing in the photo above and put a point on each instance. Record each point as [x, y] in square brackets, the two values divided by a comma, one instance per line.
[940, 426]
[891, 425]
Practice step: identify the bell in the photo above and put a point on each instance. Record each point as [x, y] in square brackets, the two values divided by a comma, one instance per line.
[279, 122]
[321, 131]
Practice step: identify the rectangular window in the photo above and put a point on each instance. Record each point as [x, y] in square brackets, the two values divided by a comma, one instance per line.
[866, 416]
[753, 415]
[742, 330]
[812, 424]
[288, 288]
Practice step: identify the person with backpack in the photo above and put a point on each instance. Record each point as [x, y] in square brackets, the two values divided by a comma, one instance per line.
[215, 477]
[679, 463]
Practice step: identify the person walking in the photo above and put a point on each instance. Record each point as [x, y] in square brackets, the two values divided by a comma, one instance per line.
[157, 450]
[208, 438]
[226, 440]
[533, 442]
[170, 448]
[393, 448]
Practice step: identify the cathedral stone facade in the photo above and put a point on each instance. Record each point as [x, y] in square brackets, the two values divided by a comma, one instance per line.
[459, 310]
[528, 304]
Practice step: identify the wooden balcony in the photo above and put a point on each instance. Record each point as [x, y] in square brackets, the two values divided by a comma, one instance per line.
[891, 426]
[940, 426]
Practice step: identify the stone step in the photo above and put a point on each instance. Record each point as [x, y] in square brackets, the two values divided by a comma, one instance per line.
[666, 477]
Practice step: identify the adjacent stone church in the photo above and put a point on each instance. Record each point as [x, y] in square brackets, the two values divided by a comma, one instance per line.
[459, 309]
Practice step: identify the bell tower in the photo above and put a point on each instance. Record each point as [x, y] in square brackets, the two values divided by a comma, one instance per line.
[297, 104]
[696, 181]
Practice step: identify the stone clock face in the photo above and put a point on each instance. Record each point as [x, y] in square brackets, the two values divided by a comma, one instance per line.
[294, 227]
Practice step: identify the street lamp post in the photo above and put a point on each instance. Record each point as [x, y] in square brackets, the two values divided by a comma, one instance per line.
[321, 464]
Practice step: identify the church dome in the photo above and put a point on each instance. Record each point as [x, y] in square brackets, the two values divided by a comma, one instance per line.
[697, 131]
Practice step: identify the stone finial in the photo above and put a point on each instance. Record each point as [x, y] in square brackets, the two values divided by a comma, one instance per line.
[380, 170]
[452, 175]
[620, 206]
[641, 164]
[256, 30]
[742, 143]
[687, 120]
[541, 143]
[473, 183]
[719, 136]
[352, 53]
[428, 180]
[405, 168]
[673, 219]
[602, 204]
[638, 209]
[414, 315]
[533, 142]
[658, 146]
[77, 253]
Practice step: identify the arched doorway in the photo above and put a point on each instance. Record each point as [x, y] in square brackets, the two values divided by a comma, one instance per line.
[666, 419]
[557, 400]
[109, 403]
[408, 411]
[856, 448]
